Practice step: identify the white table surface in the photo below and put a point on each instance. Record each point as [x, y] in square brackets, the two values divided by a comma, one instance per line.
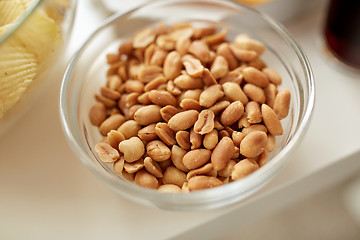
[46, 193]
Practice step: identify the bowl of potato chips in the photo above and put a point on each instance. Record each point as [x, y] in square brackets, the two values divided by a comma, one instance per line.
[33, 34]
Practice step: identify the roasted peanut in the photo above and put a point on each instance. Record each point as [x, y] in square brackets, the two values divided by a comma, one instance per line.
[195, 139]
[168, 112]
[148, 73]
[145, 179]
[177, 155]
[244, 168]
[200, 50]
[109, 93]
[205, 122]
[255, 76]
[106, 153]
[172, 175]
[162, 98]
[208, 78]
[262, 158]
[106, 101]
[193, 67]
[243, 41]
[270, 143]
[219, 67]
[199, 171]
[253, 144]
[133, 167]
[158, 57]
[119, 166]
[111, 123]
[233, 76]
[153, 167]
[172, 88]
[133, 86]
[147, 133]
[165, 42]
[114, 138]
[237, 137]
[282, 103]
[169, 188]
[210, 95]
[253, 128]
[219, 106]
[272, 75]
[97, 114]
[232, 113]
[203, 182]
[143, 38]
[211, 139]
[165, 133]
[172, 65]
[234, 92]
[270, 94]
[254, 93]
[129, 129]
[126, 47]
[196, 158]
[271, 121]
[183, 139]
[226, 171]
[133, 149]
[225, 51]
[190, 104]
[113, 82]
[158, 151]
[185, 81]
[222, 153]
[243, 54]
[182, 45]
[144, 98]
[253, 112]
[183, 120]
[148, 114]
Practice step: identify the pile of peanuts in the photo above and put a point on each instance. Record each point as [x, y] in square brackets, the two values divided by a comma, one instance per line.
[184, 109]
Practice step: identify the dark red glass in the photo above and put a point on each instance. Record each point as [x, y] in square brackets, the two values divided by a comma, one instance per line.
[342, 30]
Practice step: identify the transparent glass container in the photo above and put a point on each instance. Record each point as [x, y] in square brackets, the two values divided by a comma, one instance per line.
[33, 35]
[87, 70]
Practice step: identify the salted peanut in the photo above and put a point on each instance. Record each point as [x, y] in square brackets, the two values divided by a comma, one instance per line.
[243, 41]
[128, 176]
[122, 72]
[114, 67]
[182, 45]
[193, 67]
[119, 166]
[97, 114]
[143, 38]
[106, 153]
[183, 139]
[270, 94]
[226, 171]
[282, 103]
[219, 67]
[148, 114]
[129, 129]
[172, 65]
[148, 73]
[168, 112]
[132, 149]
[172, 88]
[216, 38]
[262, 158]
[234, 92]
[237, 137]
[200, 50]
[133, 167]
[158, 151]
[149, 52]
[172, 175]
[255, 76]
[232, 113]
[185, 82]
[177, 155]
[271, 121]
[210, 95]
[165, 133]
[195, 139]
[165, 42]
[132, 110]
[219, 106]
[133, 68]
[244, 168]
[253, 112]
[222, 153]
[225, 51]
[162, 98]
[122, 104]
[211, 139]
[113, 82]
[204, 170]
[190, 104]
[253, 128]
[114, 138]
[126, 48]
[134, 86]
[273, 76]
[182, 32]
[218, 126]
[233, 76]
[254, 93]
[145, 179]
[208, 78]
[203, 182]
[153, 167]
[270, 146]
[148, 133]
[109, 103]
[196, 158]
[144, 98]
[253, 144]
[243, 54]
[205, 122]
[109, 93]
[169, 188]
[131, 99]
[204, 31]
[111, 123]
[191, 94]
[183, 120]
[158, 57]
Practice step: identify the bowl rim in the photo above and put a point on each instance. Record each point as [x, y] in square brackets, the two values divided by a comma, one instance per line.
[213, 193]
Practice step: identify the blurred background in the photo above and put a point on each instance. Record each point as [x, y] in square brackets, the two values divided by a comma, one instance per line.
[46, 193]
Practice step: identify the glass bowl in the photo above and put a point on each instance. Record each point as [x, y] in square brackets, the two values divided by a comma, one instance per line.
[33, 33]
[85, 75]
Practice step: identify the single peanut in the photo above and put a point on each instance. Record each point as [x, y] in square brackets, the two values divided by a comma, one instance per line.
[183, 139]
[232, 113]
[129, 129]
[222, 153]
[158, 151]
[282, 103]
[148, 133]
[168, 112]
[145, 179]
[272, 75]
[195, 139]
[144, 38]
[233, 91]
[119, 166]
[219, 67]
[211, 139]
[253, 112]
[148, 73]
[271, 121]
[106, 101]
[97, 114]
[199, 171]
[172, 65]
[185, 81]
[244, 168]
[111, 123]
[162, 98]
[225, 51]
[237, 137]
[219, 106]
[133, 167]
[243, 41]
[153, 167]
[172, 175]
[243, 54]
[208, 78]
[177, 155]
[254, 93]
[165, 133]
[183, 120]
[255, 76]
[196, 158]
[253, 128]
[226, 171]
[205, 122]
[169, 188]
[203, 182]
[148, 114]
[200, 50]
[190, 104]
[270, 143]
[270, 94]
[114, 138]
[210, 95]
[106, 153]
[133, 149]
[253, 144]
[193, 67]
